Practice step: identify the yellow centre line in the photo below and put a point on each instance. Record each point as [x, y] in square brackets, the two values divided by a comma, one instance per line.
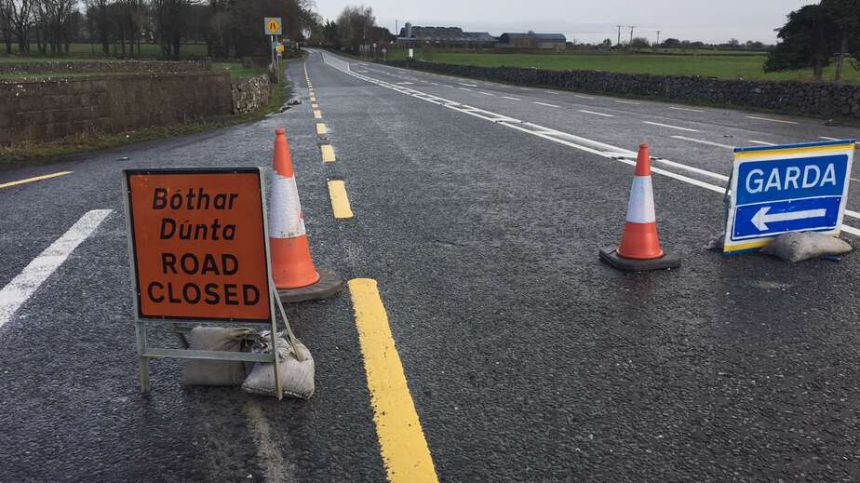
[404, 448]
[317, 115]
[327, 152]
[313, 99]
[31, 180]
[314, 105]
[339, 199]
[321, 129]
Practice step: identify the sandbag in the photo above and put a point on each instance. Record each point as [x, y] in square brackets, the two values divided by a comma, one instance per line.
[297, 376]
[216, 373]
[798, 247]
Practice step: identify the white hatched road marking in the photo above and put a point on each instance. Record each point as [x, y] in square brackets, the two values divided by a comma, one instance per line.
[583, 144]
[595, 113]
[685, 109]
[19, 290]
[702, 141]
[511, 98]
[771, 120]
[546, 104]
[671, 126]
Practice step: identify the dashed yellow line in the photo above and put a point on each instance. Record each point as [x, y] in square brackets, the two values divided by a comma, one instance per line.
[317, 115]
[404, 449]
[313, 98]
[34, 179]
[327, 152]
[339, 199]
[314, 105]
[321, 129]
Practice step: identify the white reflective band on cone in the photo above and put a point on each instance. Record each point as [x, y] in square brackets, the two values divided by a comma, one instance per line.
[640, 208]
[285, 215]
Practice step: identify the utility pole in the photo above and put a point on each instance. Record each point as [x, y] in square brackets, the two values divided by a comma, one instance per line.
[619, 35]
[631, 32]
[658, 38]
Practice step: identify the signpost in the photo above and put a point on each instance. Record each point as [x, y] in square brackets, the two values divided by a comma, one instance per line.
[199, 250]
[781, 189]
[273, 28]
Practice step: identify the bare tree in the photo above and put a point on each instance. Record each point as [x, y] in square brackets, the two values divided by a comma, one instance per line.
[53, 19]
[6, 24]
[20, 14]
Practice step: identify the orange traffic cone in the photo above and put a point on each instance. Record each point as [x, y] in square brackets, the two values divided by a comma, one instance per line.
[293, 270]
[640, 245]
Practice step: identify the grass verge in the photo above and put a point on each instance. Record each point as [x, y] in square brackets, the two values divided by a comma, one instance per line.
[44, 153]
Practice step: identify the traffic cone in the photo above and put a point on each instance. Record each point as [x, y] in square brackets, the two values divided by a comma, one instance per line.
[640, 248]
[293, 271]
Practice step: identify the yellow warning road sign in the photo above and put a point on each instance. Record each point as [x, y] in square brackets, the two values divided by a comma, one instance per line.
[272, 25]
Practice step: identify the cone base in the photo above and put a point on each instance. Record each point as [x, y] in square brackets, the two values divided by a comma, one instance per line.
[328, 285]
[609, 255]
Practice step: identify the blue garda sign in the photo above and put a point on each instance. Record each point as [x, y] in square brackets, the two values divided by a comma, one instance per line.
[781, 189]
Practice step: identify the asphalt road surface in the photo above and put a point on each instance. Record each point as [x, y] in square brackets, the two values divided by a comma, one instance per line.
[479, 209]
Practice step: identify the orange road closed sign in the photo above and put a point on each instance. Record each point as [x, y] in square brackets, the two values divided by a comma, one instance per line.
[199, 244]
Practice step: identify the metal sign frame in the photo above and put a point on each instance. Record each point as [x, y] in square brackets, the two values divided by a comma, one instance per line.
[144, 350]
[774, 154]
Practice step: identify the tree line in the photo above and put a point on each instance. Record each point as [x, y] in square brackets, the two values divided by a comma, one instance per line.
[818, 35]
[353, 28]
[118, 27]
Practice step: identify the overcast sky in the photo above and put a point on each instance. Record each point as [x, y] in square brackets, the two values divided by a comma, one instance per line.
[589, 20]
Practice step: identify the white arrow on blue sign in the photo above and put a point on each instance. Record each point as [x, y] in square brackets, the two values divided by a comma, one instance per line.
[781, 189]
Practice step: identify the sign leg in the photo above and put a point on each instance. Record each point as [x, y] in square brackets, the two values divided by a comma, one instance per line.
[276, 360]
[143, 362]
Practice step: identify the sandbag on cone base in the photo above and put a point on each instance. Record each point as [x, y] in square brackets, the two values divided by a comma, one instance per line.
[328, 285]
[610, 256]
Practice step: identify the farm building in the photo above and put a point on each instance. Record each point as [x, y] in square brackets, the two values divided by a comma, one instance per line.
[532, 40]
[449, 36]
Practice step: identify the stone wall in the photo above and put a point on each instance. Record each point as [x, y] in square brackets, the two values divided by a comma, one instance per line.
[806, 98]
[251, 94]
[51, 109]
[93, 67]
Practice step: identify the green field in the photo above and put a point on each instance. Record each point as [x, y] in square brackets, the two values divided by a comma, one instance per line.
[707, 64]
[89, 51]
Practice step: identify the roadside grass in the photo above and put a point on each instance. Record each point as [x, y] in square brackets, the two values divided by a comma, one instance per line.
[237, 70]
[720, 65]
[44, 153]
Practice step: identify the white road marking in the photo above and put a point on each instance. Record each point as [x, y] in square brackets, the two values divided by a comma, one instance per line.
[852, 214]
[702, 141]
[685, 109]
[761, 143]
[466, 89]
[583, 144]
[511, 98]
[582, 97]
[771, 120]
[486, 93]
[552, 92]
[671, 126]
[19, 290]
[595, 113]
[632, 103]
[835, 139]
[546, 104]
[692, 169]
[467, 85]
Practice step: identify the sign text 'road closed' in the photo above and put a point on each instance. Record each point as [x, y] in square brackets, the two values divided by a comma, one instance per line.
[199, 244]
